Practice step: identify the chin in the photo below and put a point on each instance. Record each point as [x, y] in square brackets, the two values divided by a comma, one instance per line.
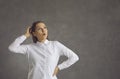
[44, 38]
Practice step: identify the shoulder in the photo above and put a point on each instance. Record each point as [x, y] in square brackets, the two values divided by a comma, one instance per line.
[57, 43]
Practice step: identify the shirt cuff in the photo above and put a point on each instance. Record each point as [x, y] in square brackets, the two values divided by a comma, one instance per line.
[23, 37]
[60, 67]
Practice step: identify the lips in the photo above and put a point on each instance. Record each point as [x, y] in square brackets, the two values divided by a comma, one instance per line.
[44, 34]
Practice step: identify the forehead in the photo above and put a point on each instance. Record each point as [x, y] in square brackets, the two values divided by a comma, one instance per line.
[40, 25]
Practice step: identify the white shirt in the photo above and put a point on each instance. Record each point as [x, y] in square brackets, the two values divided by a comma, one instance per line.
[43, 57]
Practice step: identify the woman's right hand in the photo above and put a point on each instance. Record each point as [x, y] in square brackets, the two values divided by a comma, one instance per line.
[28, 34]
[56, 71]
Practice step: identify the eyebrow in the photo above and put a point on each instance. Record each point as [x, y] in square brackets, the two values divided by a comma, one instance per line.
[40, 28]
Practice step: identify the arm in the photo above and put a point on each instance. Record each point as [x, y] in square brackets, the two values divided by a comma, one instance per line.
[16, 46]
[72, 57]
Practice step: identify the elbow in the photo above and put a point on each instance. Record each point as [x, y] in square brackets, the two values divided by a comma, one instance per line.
[77, 58]
[74, 57]
[10, 48]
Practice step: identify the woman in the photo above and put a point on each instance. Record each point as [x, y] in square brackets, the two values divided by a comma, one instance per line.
[43, 55]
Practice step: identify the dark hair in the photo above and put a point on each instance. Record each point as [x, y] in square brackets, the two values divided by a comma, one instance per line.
[32, 29]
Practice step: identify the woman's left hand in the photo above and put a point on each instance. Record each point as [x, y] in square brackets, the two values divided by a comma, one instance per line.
[56, 71]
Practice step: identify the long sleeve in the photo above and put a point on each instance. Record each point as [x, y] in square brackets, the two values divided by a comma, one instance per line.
[16, 46]
[72, 57]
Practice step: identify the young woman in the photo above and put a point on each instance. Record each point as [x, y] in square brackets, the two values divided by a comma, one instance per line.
[43, 54]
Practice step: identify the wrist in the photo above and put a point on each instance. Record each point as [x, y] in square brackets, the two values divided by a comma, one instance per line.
[26, 35]
[58, 68]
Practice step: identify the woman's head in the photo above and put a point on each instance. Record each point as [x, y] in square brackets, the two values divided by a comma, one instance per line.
[39, 31]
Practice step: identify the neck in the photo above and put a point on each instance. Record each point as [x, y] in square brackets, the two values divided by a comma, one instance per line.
[41, 40]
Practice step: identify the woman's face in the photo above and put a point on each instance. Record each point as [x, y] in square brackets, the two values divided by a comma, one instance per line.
[41, 31]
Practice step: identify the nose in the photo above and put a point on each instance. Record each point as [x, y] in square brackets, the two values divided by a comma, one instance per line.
[43, 30]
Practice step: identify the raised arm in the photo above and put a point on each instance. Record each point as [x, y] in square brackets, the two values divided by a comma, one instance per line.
[16, 46]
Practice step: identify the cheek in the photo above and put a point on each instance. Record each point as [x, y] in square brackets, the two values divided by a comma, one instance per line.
[39, 32]
[46, 30]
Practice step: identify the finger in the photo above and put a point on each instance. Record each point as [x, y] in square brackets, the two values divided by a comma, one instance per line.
[30, 30]
[54, 73]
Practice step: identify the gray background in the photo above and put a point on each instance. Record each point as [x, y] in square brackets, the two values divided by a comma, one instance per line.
[89, 27]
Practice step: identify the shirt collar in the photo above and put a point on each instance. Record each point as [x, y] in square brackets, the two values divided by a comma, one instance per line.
[45, 42]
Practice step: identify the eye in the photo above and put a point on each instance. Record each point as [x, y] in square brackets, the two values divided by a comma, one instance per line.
[45, 27]
[39, 29]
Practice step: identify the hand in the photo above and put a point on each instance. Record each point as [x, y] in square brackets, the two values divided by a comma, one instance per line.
[56, 71]
[28, 34]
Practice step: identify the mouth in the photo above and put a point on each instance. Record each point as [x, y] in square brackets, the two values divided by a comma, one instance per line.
[44, 34]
